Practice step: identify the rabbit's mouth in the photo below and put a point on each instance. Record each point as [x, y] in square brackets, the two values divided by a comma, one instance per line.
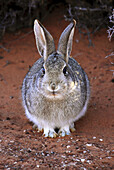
[53, 92]
[54, 95]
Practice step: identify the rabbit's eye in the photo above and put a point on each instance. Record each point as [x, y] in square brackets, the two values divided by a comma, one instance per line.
[43, 70]
[65, 71]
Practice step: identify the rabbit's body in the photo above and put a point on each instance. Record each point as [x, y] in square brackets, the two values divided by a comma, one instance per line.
[55, 91]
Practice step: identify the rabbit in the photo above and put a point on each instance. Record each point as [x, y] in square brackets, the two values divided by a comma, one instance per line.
[56, 90]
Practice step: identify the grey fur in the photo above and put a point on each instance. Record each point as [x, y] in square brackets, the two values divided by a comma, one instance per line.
[56, 89]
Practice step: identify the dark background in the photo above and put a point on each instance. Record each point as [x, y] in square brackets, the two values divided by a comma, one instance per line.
[17, 14]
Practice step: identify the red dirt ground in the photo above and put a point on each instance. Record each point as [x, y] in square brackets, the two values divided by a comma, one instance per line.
[91, 145]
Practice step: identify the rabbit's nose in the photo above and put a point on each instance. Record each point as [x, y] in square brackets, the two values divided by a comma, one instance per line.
[53, 86]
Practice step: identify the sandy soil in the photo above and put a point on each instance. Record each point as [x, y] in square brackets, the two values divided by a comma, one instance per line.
[91, 145]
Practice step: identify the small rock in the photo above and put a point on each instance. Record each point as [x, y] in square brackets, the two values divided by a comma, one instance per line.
[68, 146]
[7, 118]
[11, 97]
[1, 57]
[88, 144]
[112, 80]
[94, 137]
[82, 160]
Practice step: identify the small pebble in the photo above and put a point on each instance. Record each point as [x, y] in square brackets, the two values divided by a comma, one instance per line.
[94, 137]
[82, 160]
[15, 163]
[11, 97]
[77, 41]
[68, 146]
[109, 157]
[88, 144]
[11, 141]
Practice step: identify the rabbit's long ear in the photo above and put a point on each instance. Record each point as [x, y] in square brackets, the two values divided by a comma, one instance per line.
[65, 41]
[44, 40]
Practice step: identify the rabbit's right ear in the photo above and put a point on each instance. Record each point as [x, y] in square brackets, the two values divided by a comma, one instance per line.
[44, 40]
[65, 41]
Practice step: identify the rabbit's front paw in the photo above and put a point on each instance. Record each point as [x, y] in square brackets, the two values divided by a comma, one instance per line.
[38, 128]
[64, 131]
[50, 133]
[72, 128]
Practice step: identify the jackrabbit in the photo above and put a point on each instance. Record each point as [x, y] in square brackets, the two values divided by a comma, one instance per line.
[56, 89]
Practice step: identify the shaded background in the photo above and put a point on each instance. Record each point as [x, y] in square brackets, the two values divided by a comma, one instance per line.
[16, 14]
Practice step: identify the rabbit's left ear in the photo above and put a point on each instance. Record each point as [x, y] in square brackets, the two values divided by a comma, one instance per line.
[65, 41]
[44, 40]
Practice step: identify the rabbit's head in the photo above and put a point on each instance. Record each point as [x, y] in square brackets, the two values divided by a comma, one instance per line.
[56, 78]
